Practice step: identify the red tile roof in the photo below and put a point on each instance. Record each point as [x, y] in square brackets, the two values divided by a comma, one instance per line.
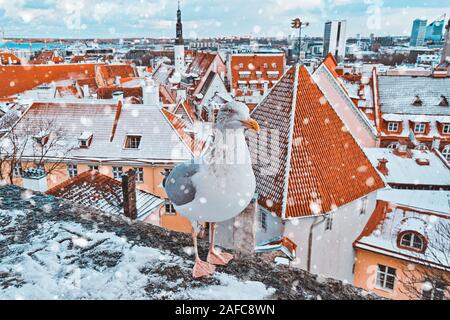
[320, 166]
[47, 56]
[196, 146]
[201, 63]
[17, 79]
[166, 95]
[185, 111]
[107, 92]
[109, 72]
[261, 63]
[5, 57]
[97, 190]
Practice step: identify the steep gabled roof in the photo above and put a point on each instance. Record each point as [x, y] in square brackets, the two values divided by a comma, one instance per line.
[201, 63]
[104, 193]
[185, 132]
[109, 72]
[319, 165]
[184, 110]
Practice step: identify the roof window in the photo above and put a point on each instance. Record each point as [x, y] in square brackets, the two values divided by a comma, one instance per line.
[417, 101]
[444, 102]
[133, 142]
[85, 139]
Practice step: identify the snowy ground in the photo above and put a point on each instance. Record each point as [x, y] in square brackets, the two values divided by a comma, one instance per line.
[64, 260]
[54, 249]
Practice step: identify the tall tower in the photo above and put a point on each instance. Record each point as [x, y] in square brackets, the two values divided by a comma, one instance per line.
[179, 44]
[446, 51]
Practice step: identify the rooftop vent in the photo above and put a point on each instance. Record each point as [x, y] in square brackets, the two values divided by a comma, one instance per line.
[444, 102]
[423, 162]
[85, 139]
[417, 101]
[41, 138]
[382, 166]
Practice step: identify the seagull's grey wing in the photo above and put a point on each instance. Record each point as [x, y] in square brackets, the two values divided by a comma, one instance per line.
[178, 183]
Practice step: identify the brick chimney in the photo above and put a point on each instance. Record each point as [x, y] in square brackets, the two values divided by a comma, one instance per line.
[129, 194]
[382, 166]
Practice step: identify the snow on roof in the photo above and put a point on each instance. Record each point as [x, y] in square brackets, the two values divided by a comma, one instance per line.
[104, 193]
[397, 94]
[383, 238]
[404, 170]
[425, 200]
[159, 143]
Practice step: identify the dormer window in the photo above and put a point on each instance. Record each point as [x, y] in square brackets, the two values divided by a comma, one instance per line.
[446, 128]
[444, 102]
[84, 140]
[417, 101]
[41, 138]
[393, 126]
[420, 128]
[412, 240]
[133, 142]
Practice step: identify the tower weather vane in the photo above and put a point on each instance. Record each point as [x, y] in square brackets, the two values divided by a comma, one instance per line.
[299, 24]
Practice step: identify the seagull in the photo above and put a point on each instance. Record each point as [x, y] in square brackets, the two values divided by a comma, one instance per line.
[217, 186]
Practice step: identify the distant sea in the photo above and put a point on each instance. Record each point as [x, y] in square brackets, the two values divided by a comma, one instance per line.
[34, 46]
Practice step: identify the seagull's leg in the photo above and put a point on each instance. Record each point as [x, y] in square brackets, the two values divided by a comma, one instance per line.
[201, 268]
[215, 256]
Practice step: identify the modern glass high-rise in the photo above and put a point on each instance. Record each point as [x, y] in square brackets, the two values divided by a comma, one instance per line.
[434, 31]
[334, 38]
[418, 32]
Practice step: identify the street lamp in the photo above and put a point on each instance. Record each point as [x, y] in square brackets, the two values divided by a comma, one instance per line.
[298, 24]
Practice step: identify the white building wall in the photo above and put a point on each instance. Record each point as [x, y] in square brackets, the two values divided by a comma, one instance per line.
[179, 59]
[274, 226]
[332, 251]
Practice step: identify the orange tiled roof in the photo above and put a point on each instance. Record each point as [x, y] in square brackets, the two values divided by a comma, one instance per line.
[320, 166]
[201, 63]
[184, 110]
[107, 92]
[17, 79]
[109, 72]
[167, 97]
[46, 56]
[261, 63]
[67, 91]
[196, 146]
[5, 57]
[77, 59]
[331, 63]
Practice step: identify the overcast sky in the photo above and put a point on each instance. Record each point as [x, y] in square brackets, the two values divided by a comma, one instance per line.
[204, 18]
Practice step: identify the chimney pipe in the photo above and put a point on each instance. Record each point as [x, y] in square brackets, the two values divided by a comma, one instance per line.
[35, 180]
[382, 166]
[129, 194]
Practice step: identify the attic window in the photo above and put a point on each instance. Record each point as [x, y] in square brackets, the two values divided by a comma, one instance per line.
[422, 162]
[444, 102]
[41, 138]
[85, 139]
[417, 102]
[411, 240]
[132, 142]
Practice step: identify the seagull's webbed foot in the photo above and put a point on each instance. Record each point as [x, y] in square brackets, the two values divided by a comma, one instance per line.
[203, 269]
[219, 258]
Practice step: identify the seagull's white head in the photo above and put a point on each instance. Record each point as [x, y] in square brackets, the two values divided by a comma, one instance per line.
[236, 115]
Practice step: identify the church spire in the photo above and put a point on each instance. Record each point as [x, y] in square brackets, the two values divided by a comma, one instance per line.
[179, 40]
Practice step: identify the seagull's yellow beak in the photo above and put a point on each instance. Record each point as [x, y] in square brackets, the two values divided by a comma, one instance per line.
[251, 124]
